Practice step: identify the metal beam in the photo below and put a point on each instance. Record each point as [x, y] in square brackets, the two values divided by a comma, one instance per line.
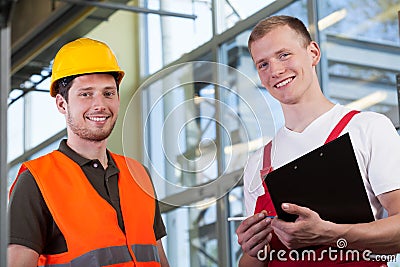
[116, 6]
[200, 192]
[5, 44]
[362, 53]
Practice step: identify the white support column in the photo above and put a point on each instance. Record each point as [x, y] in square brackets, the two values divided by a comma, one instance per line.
[4, 89]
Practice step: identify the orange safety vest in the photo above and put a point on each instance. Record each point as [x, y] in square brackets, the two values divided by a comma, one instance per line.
[89, 223]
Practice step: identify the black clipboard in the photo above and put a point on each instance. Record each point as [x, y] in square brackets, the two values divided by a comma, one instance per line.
[326, 180]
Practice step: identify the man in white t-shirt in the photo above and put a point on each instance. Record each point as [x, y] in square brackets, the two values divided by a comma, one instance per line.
[285, 58]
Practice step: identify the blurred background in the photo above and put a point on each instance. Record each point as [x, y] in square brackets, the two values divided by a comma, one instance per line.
[192, 107]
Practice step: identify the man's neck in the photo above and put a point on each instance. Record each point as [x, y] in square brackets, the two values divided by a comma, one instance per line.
[89, 149]
[299, 116]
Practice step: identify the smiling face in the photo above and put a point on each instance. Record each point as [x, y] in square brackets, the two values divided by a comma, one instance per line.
[92, 108]
[285, 66]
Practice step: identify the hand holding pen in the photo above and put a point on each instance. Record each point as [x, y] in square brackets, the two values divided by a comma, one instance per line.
[254, 233]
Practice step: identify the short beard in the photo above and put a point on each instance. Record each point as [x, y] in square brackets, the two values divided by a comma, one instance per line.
[87, 134]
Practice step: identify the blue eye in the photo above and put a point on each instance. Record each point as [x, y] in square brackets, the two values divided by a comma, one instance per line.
[262, 65]
[283, 55]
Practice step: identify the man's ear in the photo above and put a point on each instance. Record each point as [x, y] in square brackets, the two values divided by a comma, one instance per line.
[61, 104]
[315, 52]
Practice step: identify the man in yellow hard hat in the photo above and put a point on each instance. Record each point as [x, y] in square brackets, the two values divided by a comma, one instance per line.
[82, 205]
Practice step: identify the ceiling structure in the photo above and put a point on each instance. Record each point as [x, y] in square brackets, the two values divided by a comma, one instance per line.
[39, 28]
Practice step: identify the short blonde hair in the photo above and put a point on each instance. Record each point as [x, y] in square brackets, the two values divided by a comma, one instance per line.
[270, 23]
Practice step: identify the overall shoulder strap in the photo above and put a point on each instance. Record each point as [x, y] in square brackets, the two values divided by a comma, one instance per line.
[340, 126]
[264, 201]
[267, 156]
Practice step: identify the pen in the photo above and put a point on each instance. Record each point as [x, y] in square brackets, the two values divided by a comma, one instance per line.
[230, 219]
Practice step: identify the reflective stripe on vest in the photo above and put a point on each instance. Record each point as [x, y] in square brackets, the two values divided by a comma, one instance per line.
[112, 255]
[145, 253]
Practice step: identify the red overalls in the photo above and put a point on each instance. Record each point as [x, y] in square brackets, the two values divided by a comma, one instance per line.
[264, 202]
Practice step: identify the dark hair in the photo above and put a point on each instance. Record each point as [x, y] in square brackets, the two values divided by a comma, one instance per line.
[64, 84]
[270, 23]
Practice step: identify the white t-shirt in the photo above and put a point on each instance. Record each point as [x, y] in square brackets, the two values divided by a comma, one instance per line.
[375, 141]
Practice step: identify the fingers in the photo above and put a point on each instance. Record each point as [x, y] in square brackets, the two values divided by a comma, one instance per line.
[295, 209]
[254, 233]
[283, 226]
[261, 245]
[249, 222]
[303, 231]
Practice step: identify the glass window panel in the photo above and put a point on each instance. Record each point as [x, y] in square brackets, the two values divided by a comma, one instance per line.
[47, 149]
[15, 132]
[236, 209]
[376, 21]
[180, 127]
[234, 11]
[170, 37]
[153, 41]
[154, 45]
[194, 229]
[249, 114]
[361, 54]
[13, 171]
[43, 119]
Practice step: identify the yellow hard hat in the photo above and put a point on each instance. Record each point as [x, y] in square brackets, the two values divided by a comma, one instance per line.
[83, 56]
